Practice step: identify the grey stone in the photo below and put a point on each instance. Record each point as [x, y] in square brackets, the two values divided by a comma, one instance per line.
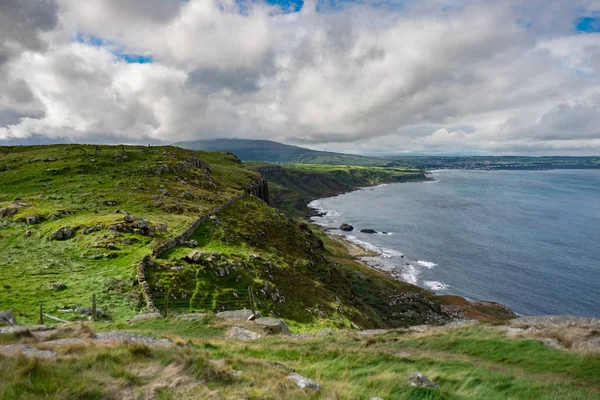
[128, 218]
[273, 325]
[25, 328]
[237, 332]
[417, 379]
[63, 233]
[236, 314]
[7, 318]
[145, 317]
[303, 382]
[194, 256]
[162, 227]
[191, 316]
[12, 350]
[58, 286]
[346, 228]
[131, 337]
[28, 233]
[33, 219]
[8, 211]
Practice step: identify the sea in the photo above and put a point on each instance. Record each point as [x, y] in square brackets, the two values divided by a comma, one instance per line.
[527, 239]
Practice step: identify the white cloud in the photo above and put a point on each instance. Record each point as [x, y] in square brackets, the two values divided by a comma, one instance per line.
[410, 76]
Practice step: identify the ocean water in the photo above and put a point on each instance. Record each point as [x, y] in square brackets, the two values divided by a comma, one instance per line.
[527, 239]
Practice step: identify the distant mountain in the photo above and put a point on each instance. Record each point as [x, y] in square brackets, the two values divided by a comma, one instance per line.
[274, 152]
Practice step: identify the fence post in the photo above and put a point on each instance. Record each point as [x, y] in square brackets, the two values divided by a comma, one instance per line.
[251, 294]
[166, 311]
[94, 307]
[41, 314]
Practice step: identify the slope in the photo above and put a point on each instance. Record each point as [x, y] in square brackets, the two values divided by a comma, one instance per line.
[274, 152]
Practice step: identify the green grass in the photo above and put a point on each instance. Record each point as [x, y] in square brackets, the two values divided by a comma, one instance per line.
[299, 275]
[78, 179]
[467, 363]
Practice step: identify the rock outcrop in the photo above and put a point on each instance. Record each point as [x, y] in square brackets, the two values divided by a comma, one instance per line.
[7, 318]
[417, 379]
[302, 382]
[346, 227]
[63, 233]
[273, 325]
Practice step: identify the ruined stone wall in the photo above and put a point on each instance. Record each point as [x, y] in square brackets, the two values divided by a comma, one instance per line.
[259, 189]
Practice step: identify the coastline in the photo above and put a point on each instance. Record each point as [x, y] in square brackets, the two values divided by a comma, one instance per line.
[456, 305]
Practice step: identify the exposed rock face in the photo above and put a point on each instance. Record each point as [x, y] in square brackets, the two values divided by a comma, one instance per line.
[63, 233]
[417, 379]
[346, 228]
[145, 317]
[303, 382]
[7, 318]
[273, 325]
[33, 219]
[237, 332]
[368, 231]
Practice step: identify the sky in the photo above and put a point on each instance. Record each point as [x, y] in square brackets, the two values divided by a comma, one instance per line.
[365, 76]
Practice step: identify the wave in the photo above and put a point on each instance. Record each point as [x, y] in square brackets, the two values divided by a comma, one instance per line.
[427, 264]
[435, 285]
[410, 274]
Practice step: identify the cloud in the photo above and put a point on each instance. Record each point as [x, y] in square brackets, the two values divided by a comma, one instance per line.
[430, 75]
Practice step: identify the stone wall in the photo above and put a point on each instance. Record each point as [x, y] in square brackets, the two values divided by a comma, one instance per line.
[259, 189]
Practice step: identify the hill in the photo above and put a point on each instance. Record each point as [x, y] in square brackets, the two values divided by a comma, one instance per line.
[141, 227]
[274, 152]
[293, 186]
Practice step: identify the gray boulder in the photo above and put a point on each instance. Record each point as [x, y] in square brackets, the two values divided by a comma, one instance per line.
[63, 233]
[273, 325]
[236, 314]
[237, 332]
[33, 219]
[194, 256]
[303, 382]
[346, 228]
[7, 318]
[8, 211]
[417, 379]
[128, 218]
[368, 231]
[145, 317]
[161, 227]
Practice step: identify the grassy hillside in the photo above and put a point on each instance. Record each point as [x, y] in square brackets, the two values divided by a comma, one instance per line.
[476, 362]
[292, 187]
[118, 203]
[88, 190]
[273, 152]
